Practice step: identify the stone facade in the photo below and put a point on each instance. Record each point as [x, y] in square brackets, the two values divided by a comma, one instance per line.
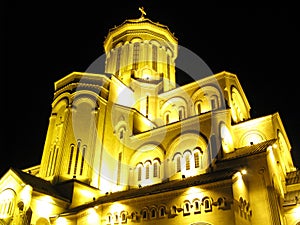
[130, 146]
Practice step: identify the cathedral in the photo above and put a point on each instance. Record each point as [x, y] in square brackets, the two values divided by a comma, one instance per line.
[131, 146]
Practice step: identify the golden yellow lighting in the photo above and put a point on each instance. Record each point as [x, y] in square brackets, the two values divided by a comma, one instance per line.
[194, 191]
[92, 217]
[26, 194]
[117, 207]
[61, 221]
[274, 145]
[243, 171]
[43, 207]
[296, 213]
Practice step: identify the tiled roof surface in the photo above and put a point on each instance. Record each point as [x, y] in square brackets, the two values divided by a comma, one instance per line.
[38, 184]
[293, 177]
[160, 188]
[249, 150]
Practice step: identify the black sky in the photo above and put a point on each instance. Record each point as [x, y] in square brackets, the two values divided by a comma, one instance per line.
[42, 42]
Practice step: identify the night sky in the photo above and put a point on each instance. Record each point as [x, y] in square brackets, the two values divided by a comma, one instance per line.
[42, 42]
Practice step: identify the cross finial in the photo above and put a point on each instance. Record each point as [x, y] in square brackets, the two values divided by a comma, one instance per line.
[142, 11]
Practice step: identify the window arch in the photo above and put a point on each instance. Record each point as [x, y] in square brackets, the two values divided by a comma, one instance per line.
[167, 117]
[161, 211]
[116, 217]
[154, 57]
[156, 168]
[187, 159]
[198, 154]
[238, 107]
[197, 206]
[214, 102]
[147, 166]
[186, 207]
[139, 168]
[198, 107]
[177, 162]
[153, 213]
[109, 218]
[207, 203]
[123, 217]
[72, 146]
[121, 133]
[145, 214]
[7, 203]
[181, 113]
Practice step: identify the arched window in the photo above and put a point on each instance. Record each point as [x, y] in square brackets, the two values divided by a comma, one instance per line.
[82, 159]
[214, 102]
[167, 118]
[187, 162]
[181, 114]
[177, 163]
[154, 57]
[7, 203]
[123, 217]
[134, 216]
[156, 168]
[77, 156]
[168, 66]
[198, 107]
[198, 157]
[116, 216]
[207, 204]
[144, 214]
[162, 211]
[70, 158]
[197, 206]
[136, 51]
[187, 159]
[153, 213]
[139, 171]
[108, 218]
[147, 171]
[186, 208]
[118, 60]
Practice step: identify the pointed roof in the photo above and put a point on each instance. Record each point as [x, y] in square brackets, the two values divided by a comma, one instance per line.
[249, 150]
[38, 184]
[142, 25]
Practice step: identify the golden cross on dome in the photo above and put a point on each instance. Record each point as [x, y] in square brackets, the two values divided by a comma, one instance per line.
[142, 11]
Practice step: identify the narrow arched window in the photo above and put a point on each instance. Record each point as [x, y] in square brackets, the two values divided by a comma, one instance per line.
[178, 164]
[118, 63]
[186, 208]
[214, 102]
[162, 211]
[147, 171]
[82, 159]
[76, 157]
[198, 107]
[168, 66]
[196, 159]
[155, 169]
[207, 204]
[136, 51]
[187, 162]
[154, 57]
[167, 118]
[153, 213]
[139, 173]
[197, 206]
[70, 158]
[181, 113]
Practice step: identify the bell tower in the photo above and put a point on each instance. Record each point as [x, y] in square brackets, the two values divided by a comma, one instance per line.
[141, 52]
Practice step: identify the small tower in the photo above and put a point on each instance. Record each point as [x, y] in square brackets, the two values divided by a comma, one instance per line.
[144, 51]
